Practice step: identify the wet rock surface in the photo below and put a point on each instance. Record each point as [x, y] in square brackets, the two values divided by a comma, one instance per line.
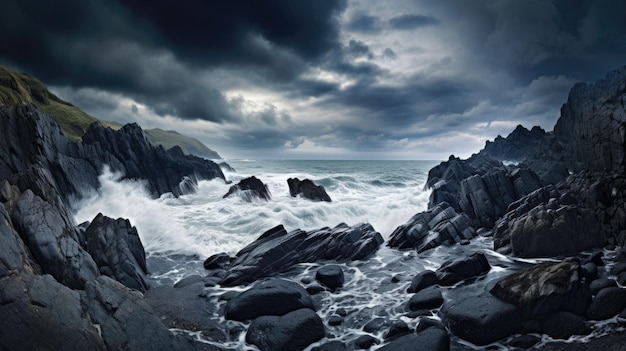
[307, 189]
[249, 189]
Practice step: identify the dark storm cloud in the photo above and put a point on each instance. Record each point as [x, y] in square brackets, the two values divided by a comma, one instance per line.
[152, 50]
[410, 21]
[364, 23]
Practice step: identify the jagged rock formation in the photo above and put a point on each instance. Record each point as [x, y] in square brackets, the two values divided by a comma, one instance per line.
[440, 225]
[276, 250]
[250, 188]
[516, 146]
[308, 189]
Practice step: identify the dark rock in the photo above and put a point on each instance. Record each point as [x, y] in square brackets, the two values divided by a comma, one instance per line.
[218, 261]
[607, 303]
[126, 321]
[480, 319]
[249, 189]
[334, 345]
[13, 255]
[117, 250]
[375, 325]
[618, 268]
[546, 288]
[342, 312]
[524, 341]
[445, 179]
[426, 299]
[531, 326]
[315, 289]
[53, 241]
[272, 297]
[425, 323]
[184, 307]
[38, 313]
[422, 280]
[455, 271]
[562, 325]
[397, 329]
[596, 259]
[293, 331]
[520, 143]
[331, 276]
[276, 250]
[621, 278]
[335, 320]
[308, 189]
[486, 198]
[566, 231]
[364, 342]
[599, 284]
[440, 225]
[430, 339]
[418, 313]
[590, 271]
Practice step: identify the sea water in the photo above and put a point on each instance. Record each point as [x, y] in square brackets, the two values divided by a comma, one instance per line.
[179, 233]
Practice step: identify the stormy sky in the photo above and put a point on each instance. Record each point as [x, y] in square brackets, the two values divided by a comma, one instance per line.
[330, 79]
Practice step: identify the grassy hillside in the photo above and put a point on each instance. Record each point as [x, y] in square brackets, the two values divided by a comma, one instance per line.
[170, 138]
[16, 88]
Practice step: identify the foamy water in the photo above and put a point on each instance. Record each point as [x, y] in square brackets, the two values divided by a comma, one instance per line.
[179, 233]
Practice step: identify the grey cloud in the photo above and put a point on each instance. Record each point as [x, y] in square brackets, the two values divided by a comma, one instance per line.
[364, 23]
[412, 21]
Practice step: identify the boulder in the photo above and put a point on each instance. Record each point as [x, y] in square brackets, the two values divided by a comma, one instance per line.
[276, 250]
[546, 288]
[272, 297]
[457, 270]
[334, 345]
[422, 280]
[440, 225]
[567, 230]
[599, 284]
[308, 189]
[293, 331]
[365, 342]
[480, 319]
[607, 303]
[250, 188]
[116, 248]
[562, 325]
[430, 339]
[396, 330]
[331, 276]
[427, 298]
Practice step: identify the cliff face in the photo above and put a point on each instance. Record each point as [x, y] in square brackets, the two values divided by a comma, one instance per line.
[592, 124]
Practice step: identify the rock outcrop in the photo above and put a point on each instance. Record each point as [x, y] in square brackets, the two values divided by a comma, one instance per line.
[308, 189]
[276, 250]
[520, 143]
[249, 189]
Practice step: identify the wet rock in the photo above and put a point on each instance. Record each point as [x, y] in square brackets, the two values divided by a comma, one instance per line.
[375, 325]
[440, 225]
[53, 241]
[455, 271]
[331, 276]
[126, 321]
[38, 313]
[249, 189]
[525, 341]
[599, 284]
[185, 306]
[276, 250]
[397, 329]
[430, 339]
[308, 189]
[272, 297]
[480, 319]
[607, 303]
[590, 271]
[426, 299]
[334, 345]
[562, 325]
[546, 288]
[117, 250]
[425, 323]
[364, 342]
[218, 261]
[335, 320]
[566, 231]
[422, 280]
[293, 331]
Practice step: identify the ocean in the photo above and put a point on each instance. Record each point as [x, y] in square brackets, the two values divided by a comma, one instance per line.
[180, 233]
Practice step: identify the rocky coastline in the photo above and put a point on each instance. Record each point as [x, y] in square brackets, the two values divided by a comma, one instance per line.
[67, 286]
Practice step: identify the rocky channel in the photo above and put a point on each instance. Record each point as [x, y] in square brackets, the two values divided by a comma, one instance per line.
[559, 213]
